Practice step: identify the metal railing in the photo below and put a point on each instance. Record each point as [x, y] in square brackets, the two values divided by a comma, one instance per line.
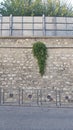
[36, 97]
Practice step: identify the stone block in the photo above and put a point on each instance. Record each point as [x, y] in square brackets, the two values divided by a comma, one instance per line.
[17, 19]
[5, 19]
[38, 19]
[27, 19]
[38, 26]
[17, 33]
[27, 26]
[5, 32]
[61, 33]
[50, 33]
[17, 26]
[69, 33]
[69, 26]
[61, 27]
[50, 26]
[60, 20]
[5, 26]
[27, 33]
[49, 19]
[38, 33]
[69, 20]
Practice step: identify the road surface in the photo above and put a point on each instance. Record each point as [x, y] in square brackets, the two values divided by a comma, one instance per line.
[35, 118]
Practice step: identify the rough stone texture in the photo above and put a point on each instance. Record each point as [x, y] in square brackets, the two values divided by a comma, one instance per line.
[19, 68]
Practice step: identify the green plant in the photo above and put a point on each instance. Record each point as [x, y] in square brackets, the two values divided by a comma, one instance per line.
[40, 52]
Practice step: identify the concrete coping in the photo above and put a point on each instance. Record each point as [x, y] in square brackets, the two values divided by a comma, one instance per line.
[33, 37]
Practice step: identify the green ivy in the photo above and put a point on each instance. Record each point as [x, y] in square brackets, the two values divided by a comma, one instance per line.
[40, 52]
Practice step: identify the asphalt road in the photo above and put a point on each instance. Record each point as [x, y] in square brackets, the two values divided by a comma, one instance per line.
[35, 118]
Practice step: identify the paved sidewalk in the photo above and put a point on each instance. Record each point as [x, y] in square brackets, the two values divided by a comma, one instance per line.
[35, 118]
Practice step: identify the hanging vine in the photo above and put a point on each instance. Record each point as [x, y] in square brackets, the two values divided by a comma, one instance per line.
[40, 52]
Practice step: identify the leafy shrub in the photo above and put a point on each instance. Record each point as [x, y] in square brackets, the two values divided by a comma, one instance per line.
[40, 52]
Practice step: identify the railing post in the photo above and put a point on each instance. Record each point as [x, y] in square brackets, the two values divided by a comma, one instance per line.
[56, 98]
[37, 97]
[66, 26]
[22, 26]
[55, 27]
[22, 96]
[33, 25]
[0, 95]
[11, 20]
[44, 28]
[41, 96]
[19, 96]
[3, 95]
[0, 25]
[60, 97]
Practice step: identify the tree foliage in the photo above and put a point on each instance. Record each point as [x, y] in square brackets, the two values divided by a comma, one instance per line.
[35, 7]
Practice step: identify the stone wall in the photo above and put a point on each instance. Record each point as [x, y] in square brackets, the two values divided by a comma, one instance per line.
[19, 69]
